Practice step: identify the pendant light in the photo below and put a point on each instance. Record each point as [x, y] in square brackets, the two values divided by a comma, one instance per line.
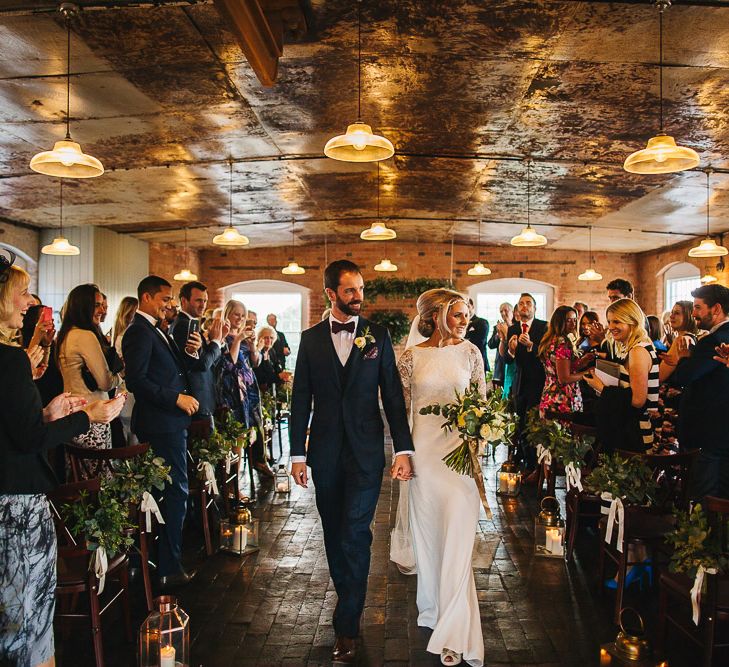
[478, 269]
[230, 237]
[590, 273]
[185, 275]
[378, 231]
[708, 247]
[707, 279]
[60, 246]
[661, 155]
[386, 265]
[293, 269]
[359, 143]
[529, 237]
[67, 160]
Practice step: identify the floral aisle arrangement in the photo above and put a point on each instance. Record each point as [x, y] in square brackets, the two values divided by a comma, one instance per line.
[620, 481]
[479, 420]
[696, 553]
[208, 453]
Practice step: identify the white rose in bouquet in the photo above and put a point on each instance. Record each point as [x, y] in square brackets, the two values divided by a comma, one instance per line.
[486, 432]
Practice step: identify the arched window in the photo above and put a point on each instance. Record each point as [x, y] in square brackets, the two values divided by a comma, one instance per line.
[288, 301]
[678, 281]
[25, 261]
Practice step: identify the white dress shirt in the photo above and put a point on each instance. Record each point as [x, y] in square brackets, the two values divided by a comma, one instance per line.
[343, 340]
[153, 322]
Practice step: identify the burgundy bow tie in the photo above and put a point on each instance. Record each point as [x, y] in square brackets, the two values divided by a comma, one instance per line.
[339, 326]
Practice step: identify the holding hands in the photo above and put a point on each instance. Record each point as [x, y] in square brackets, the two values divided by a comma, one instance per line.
[402, 468]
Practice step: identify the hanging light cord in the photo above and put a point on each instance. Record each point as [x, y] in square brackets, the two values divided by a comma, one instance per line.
[708, 197]
[661, 4]
[479, 238]
[60, 202]
[589, 244]
[230, 193]
[378, 192]
[68, 75]
[359, 60]
[529, 175]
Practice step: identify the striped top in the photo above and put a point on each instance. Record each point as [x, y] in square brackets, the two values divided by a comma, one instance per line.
[651, 402]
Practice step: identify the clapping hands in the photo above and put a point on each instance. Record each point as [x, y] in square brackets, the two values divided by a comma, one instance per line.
[62, 406]
[722, 354]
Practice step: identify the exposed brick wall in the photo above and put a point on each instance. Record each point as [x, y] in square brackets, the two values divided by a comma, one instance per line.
[166, 260]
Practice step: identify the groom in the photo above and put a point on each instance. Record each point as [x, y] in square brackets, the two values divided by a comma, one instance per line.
[342, 362]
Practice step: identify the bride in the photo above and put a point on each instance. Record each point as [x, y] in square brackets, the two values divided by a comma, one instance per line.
[439, 509]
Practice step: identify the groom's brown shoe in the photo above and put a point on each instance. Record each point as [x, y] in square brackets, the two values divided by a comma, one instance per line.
[345, 651]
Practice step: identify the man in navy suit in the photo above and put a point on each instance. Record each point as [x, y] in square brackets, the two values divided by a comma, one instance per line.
[520, 347]
[703, 414]
[342, 363]
[478, 333]
[155, 374]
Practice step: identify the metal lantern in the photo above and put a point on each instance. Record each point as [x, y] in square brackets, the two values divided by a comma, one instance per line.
[549, 530]
[508, 480]
[631, 646]
[164, 638]
[282, 481]
[239, 533]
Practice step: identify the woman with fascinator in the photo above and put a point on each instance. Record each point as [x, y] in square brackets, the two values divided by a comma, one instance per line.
[439, 508]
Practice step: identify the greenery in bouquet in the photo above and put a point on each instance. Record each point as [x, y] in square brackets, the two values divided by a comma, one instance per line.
[476, 418]
[695, 544]
[132, 477]
[106, 525]
[555, 435]
[214, 449]
[628, 479]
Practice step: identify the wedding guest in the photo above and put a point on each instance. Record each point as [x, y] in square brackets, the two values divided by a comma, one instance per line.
[587, 341]
[682, 322]
[104, 312]
[170, 315]
[581, 308]
[124, 316]
[36, 300]
[619, 288]
[503, 373]
[40, 332]
[622, 412]
[267, 371]
[655, 334]
[252, 319]
[703, 417]
[156, 375]
[81, 359]
[524, 337]
[478, 333]
[561, 391]
[281, 345]
[27, 534]
[202, 353]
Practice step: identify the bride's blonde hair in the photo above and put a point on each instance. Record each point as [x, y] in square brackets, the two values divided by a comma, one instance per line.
[437, 301]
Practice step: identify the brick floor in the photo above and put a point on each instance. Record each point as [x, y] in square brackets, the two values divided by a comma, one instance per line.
[274, 607]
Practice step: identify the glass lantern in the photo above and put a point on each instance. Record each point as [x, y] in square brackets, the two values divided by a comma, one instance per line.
[164, 638]
[239, 533]
[549, 530]
[508, 480]
[282, 481]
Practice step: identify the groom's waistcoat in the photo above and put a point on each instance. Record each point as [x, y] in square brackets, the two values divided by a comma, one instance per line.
[342, 401]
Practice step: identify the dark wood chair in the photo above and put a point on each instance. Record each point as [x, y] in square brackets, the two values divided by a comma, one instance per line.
[197, 488]
[712, 632]
[85, 462]
[648, 526]
[75, 575]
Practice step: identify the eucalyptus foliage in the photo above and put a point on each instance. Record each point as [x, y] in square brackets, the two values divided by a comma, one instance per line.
[104, 525]
[395, 321]
[694, 544]
[628, 479]
[554, 435]
[132, 477]
[402, 288]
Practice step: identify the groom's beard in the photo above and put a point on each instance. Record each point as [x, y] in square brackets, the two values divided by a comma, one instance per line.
[352, 308]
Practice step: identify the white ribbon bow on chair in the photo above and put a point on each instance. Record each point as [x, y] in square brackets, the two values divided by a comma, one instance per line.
[149, 506]
[616, 515]
[230, 458]
[696, 591]
[208, 471]
[574, 476]
[544, 455]
[101, 565]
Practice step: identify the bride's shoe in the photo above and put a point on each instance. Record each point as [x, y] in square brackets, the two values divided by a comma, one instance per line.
[448, 657]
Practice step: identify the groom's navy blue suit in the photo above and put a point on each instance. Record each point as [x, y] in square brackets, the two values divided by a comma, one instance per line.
[346, 449]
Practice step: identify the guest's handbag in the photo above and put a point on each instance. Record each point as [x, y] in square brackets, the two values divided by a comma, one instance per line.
[113, 361]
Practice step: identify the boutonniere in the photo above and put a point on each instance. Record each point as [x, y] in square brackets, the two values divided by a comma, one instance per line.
[365, 339]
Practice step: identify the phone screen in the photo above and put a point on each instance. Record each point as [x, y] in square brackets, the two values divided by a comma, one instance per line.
[194, 327]
[47, 314]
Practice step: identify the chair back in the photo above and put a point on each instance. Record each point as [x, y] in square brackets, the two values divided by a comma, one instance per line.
[88, 463]
[67, 494]
[718, 513]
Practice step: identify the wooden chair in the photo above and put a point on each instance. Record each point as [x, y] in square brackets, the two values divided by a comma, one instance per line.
[648, 526]
[75, 576]
[84, 462]
[200, 429]
[712, 633]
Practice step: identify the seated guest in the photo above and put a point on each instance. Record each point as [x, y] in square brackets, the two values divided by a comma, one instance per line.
[623, 421]
[27, 534]
[267, 372]
[703, 417]
[81, 359]
[157, 376]
[655, 334]
[503, 373]
[561, 391]
[477, 333]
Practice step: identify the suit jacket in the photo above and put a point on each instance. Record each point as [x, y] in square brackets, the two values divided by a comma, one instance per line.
[155, 373]
[279, 344]
[24, 437]
[499, 360]
[529, 379]
[200, 372]
[477, 333]
[345, 399]
[703, 414]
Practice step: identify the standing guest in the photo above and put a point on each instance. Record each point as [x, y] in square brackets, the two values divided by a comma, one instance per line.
[503, 373]
[171, 312]
[703, 416]
[561, 391]
[156, 375]
[252, 319]
[124, 317]
[619, 288]
[239, 389]
[623, 421]
[655, 333]
[267, 372]
[520, 348]
[36, 300]
[280, 345]
[586, 341]
[681, 322]
[206, 352]
[81, 358]
[27, 535]
[581, 308]
[104, 312]
[42, 333]
[478, 333]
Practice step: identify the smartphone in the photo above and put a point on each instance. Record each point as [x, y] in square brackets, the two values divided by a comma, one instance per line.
[46, 314]
[194, 327]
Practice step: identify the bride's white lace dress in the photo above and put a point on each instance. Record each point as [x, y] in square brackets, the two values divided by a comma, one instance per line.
[439, 509]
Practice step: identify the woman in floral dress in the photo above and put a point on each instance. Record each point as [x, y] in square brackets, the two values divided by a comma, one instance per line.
[561, 393]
